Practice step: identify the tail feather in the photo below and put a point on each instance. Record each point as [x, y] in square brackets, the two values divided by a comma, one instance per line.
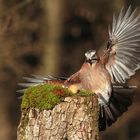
[119, 102]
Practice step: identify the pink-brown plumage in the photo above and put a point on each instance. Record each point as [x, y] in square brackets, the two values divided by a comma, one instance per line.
[94, 78]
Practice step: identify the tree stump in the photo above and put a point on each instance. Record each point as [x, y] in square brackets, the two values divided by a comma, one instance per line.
[75, 118]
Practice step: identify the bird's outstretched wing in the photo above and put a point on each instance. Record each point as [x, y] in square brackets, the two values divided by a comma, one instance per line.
[37, 80]
[73, 79]
[123, 49]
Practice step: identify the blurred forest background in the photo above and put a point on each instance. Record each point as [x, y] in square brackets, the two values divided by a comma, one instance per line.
[50, 37]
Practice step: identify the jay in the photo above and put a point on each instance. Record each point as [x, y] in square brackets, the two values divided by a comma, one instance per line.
[104, 74]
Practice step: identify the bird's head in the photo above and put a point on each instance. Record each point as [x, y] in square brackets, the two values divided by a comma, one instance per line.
[91, 56]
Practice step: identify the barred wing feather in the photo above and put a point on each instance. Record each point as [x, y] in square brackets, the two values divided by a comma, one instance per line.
[124, 43]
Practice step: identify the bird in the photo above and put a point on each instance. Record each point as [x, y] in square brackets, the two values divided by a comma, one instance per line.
[106, 74]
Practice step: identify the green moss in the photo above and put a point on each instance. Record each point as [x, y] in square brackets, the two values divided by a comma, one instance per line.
[85, 93]
[46, 96]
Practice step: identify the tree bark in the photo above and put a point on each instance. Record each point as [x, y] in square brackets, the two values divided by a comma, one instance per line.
[74, 119]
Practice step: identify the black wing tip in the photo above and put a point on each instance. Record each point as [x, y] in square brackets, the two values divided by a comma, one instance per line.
[118, 104]
[102, 119]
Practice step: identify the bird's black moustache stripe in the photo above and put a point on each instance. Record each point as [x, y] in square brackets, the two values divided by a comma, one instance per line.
[91, 61]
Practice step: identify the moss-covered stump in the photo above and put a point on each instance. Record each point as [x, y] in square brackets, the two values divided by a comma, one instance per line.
[48, 114]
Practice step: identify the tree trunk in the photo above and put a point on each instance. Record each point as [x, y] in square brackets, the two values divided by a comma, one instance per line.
[53, 30]
[74, 119]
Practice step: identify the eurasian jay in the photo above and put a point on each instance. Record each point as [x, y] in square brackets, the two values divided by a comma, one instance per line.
[101, 74]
